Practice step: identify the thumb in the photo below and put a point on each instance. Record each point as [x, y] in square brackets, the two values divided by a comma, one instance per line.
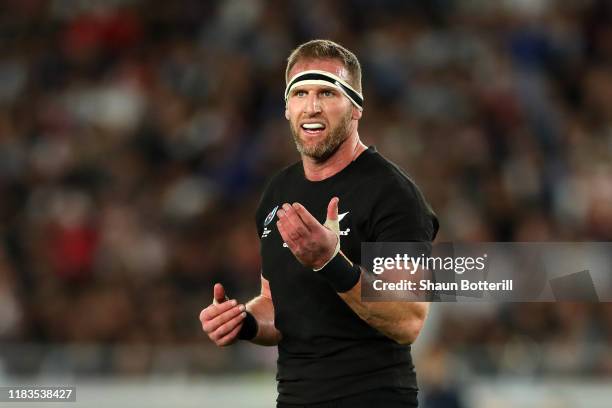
[332, 209]
[219, 294]
[332, 216]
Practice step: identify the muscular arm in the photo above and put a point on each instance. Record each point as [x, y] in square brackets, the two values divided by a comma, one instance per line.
[262, 309]
[400, 321]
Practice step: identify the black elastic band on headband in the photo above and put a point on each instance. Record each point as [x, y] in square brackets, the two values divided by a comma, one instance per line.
[322, 77]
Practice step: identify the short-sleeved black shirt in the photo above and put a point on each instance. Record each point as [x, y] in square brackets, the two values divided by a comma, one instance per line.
[327, 351]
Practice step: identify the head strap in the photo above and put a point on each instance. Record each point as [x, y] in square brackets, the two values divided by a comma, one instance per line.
[315, 77]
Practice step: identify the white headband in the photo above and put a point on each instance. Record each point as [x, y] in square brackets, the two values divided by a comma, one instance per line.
[315, 77]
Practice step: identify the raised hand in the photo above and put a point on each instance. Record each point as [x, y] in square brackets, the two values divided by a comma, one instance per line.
[312, 243]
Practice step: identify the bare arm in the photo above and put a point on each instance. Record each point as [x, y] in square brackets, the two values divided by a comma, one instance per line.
[262, 309]
[400, 321]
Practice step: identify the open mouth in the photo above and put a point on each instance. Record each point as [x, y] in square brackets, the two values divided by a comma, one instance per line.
[314, 128]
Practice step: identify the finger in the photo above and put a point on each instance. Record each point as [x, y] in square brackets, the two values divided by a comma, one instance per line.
[282, 229]
[307, 218]
[295, 223]
[228, 326]
[332, 209]
[212, 325]
[219, 294]
[289, 226]
[214, 310]
[285, 235]
[332, 221]
[230, 337]
[288, 230]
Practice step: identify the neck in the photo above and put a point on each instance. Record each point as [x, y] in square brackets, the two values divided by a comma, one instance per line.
[348, 151]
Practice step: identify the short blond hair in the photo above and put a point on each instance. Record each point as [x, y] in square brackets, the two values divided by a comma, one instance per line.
[326, 49]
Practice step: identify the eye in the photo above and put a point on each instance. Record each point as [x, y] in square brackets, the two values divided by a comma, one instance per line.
[299, 92]
[327, 93]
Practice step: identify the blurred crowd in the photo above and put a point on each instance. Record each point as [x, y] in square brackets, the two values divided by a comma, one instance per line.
[136, 137]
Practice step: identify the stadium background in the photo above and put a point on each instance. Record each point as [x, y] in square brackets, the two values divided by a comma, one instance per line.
[136, 136]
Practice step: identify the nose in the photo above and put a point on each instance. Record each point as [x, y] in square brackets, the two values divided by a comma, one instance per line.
[313, 104]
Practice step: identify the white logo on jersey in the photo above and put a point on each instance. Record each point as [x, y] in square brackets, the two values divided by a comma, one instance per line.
[267, 221]
[266, 232]
[340, 217]
[270, 216]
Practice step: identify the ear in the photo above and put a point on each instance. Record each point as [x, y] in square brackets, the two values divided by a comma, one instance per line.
[356, 113]
[286, 112]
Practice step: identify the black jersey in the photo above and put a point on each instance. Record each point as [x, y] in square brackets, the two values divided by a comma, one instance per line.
[327, 351]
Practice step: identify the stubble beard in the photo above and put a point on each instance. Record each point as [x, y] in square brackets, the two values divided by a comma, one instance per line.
[324, 149]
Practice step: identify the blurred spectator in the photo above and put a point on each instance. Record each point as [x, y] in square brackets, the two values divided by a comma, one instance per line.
[135, 137]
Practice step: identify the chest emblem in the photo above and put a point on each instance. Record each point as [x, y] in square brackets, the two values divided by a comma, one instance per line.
[270, 216]
[267, 221]
[346, 231]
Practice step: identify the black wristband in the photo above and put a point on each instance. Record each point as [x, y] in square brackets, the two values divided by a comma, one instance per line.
[249, 328]
[341, 274]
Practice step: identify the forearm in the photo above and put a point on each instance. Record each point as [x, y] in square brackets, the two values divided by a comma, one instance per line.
[262, 309]
[400, 321]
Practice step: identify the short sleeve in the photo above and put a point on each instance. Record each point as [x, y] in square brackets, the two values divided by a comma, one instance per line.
[402, 215]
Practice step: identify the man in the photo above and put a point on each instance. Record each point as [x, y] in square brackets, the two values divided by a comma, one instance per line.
[334, 349]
